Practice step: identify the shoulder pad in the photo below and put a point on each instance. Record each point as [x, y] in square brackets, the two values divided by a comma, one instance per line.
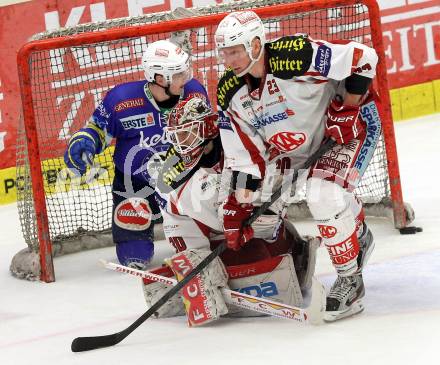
[289, 56]
[228, 85]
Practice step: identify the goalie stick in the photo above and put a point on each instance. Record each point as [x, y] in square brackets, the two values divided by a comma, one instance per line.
[312, 314]
[80, 344]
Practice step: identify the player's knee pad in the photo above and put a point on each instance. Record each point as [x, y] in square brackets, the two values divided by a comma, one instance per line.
[334, 217]
[273, 278]
[202, 297]
[136, 254]
[325, 199]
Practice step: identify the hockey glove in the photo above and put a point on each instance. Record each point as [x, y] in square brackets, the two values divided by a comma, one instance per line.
[343, 122]
[80, 151]
[234, 215]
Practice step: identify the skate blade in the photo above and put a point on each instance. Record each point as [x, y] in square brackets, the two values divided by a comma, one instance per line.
[355, 308]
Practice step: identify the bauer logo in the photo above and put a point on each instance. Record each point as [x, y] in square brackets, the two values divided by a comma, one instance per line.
[323, 60]
[133, 214]
[138, 121]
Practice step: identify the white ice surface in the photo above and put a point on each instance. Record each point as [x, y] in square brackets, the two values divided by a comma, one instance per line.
[400, 325]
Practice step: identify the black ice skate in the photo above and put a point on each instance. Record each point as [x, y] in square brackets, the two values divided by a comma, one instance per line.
[345, 297]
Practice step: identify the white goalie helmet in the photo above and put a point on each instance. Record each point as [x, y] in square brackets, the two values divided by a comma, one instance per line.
[190, 124]
[240, 28]
[166, 59]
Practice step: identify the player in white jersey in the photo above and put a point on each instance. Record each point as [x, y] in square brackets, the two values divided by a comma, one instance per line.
[276, 263]
[277, 102]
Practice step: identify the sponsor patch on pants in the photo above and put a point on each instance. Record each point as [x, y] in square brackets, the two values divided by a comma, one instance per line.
[133, 214]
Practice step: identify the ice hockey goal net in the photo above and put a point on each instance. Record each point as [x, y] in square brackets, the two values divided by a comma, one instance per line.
[63, 75]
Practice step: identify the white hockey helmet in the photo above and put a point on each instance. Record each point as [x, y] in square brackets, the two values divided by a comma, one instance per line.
[190, 123]
[240, 28]
[166, 59]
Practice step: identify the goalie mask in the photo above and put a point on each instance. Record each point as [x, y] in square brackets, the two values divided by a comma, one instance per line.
[191, 124]
[166, 59]
[240, 28]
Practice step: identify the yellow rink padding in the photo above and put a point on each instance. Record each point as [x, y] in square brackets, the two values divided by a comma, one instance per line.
[396, 105]
[436, 87]
[56, 178]
[417, 100]
[8, 191]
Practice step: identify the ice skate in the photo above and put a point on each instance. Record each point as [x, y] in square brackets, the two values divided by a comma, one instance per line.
[345, 298]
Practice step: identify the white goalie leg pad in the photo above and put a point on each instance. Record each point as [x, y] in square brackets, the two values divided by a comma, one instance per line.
[173, 307]
[153, 291]
[304, 250]
[274, 278]
[202, 296]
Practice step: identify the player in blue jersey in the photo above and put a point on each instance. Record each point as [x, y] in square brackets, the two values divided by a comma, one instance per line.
[133, 114]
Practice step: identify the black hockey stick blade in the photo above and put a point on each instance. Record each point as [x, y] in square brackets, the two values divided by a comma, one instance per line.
[80, 344]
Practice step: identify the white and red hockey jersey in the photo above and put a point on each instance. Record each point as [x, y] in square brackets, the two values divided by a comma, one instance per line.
[285, 115]
[190, 201]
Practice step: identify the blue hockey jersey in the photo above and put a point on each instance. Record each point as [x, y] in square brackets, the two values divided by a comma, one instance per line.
[130, 114]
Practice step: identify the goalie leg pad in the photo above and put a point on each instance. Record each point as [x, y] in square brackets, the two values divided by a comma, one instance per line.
[304, 255]
[202, 296]
[153, 291]
[274, 278]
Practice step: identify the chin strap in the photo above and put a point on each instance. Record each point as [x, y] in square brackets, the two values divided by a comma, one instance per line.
[253, 61]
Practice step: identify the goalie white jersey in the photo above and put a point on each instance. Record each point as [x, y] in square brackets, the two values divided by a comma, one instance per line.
[285, 114]
[191, 201]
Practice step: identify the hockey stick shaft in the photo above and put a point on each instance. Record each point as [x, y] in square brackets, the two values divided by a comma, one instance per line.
[90, 343]
[256, 304]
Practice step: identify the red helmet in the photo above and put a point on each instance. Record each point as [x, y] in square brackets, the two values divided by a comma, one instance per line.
[190, 123]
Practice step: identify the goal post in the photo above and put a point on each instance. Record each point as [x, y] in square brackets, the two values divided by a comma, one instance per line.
[63, 75]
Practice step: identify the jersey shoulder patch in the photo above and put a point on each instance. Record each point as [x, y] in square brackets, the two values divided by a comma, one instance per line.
[228, 85]
[289, 56]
